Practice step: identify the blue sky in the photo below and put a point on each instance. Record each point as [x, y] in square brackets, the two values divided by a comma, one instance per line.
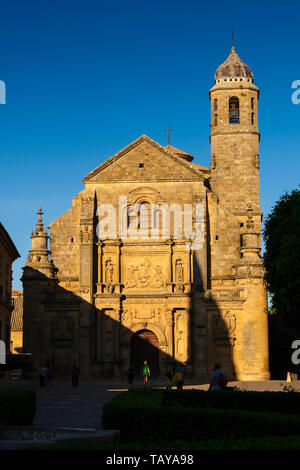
[84, 79]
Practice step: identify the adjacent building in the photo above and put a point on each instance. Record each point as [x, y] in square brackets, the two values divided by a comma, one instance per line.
[16, 324]
[8, 254]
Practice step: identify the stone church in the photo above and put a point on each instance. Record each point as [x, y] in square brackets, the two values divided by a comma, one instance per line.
[142, 289]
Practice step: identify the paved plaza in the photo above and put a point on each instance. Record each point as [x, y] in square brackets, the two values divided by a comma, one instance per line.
[61, 405]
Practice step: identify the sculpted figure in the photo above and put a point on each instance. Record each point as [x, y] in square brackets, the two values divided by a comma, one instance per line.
[179, 271]
[109, 272]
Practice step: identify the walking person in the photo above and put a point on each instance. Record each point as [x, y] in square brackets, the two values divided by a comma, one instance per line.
[130, 375]
[218, 379]
[75, 374]
[145, 372]
[169, 380]
[178, 377]
[49, 375]
[42, 375]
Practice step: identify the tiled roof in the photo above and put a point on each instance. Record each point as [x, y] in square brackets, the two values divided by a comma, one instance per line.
[233, 67]
[17, 313]
[180, 153]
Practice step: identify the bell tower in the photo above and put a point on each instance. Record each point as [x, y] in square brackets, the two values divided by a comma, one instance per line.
[236, 218]
[234, 136]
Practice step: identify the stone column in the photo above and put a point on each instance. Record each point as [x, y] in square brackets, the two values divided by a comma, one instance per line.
[86, 293]
[251, 355]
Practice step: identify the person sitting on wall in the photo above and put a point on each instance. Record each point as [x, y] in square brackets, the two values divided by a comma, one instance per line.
[218, 379]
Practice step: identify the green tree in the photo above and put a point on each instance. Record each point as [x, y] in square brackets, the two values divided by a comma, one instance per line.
[282, 263]
[282, 257]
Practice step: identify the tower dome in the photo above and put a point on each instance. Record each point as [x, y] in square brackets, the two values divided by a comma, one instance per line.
[233, 67]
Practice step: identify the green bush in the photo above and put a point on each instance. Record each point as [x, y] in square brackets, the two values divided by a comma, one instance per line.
[137, 417]
[17, 407]
[281, 402]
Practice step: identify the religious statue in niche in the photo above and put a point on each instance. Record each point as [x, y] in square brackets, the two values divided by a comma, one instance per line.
[109, 276]
[109, 272]
[144, 274]
[179, 271]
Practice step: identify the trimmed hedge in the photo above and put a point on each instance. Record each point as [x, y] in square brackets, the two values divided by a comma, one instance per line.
[278, 402]
[137, 418]
[251, 443]
[17, 407]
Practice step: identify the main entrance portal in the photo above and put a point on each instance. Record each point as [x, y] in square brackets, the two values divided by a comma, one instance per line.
[144, 347]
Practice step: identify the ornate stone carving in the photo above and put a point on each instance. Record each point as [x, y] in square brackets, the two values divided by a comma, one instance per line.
[223, 324]
[249, 344]
[213, 162]
[84, 290]
[250, 222]
[86, 235]
[144, 275]
[62, 328]
[127, 315]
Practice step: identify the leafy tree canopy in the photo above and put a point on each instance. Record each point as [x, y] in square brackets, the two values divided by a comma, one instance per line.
[282, 258]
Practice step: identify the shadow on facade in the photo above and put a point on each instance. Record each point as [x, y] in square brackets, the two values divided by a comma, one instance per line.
[61, 328]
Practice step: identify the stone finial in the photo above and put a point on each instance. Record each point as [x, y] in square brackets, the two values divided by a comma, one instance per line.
[39, 256]
[39, 230]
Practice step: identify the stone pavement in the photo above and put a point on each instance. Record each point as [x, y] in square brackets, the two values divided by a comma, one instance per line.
[61, 405]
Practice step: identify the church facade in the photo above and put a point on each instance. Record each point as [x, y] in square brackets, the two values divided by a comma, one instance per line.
[158, 258]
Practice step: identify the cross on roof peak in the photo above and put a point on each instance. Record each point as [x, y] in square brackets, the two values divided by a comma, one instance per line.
[169, 130]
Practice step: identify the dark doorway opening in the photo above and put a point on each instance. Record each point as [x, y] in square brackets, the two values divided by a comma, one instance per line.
[145, 347]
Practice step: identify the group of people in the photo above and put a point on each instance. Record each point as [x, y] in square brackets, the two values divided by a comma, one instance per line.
[175, 379]
[218, 380]
[46, 374]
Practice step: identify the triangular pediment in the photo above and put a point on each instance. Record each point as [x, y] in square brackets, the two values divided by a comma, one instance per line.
[143, 160]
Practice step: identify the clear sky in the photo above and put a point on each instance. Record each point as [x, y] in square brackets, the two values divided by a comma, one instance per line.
[85, 78]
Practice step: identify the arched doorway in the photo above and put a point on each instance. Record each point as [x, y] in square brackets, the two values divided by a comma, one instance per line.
[145, 347]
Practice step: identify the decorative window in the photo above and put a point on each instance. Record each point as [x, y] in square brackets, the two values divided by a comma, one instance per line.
[132, 218]
[215, 104]
[144, 212]
[157, 218]
[234, 110]
[252, 103]
[139, 216]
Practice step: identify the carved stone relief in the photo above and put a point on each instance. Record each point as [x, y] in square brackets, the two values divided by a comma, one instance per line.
[144, 275]
[86, 234]
[249, 344]
[62, 328]
[223, 324]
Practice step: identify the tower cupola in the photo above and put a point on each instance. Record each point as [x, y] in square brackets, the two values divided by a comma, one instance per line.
[233, 69]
